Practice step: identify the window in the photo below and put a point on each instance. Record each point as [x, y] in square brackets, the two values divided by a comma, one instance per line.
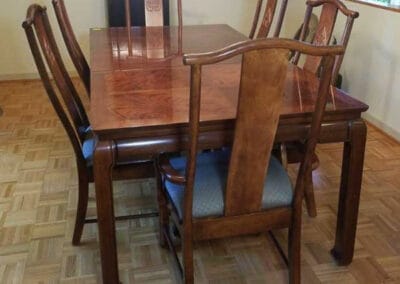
[393, 5]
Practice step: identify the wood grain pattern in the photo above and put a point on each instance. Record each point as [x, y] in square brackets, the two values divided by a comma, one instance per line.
[242, 184]
[38, 196]
[165, 129]
[109, 48]
[71, 43]
[154, 17]
[323, 34]
[120, 96]
[265, 25]
[260, 96]
[74, 119]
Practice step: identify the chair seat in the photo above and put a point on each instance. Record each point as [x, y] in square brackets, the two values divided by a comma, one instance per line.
[210, 183]
[88, 150]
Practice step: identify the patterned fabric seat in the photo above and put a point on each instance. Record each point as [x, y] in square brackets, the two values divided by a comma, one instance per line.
[88, 151]
[210, 183]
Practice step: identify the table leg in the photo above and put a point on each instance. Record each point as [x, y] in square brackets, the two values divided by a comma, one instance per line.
[102, 167]
[349, 197]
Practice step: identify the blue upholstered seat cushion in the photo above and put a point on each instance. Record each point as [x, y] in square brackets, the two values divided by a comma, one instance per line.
[210, 183]
[88, 150]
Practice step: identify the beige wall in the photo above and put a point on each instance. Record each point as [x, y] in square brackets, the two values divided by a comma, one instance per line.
[15, 57]
[16, 60]
[371, 67]
[236, 13]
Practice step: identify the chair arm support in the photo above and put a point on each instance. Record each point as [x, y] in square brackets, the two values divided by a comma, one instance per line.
[168, 172]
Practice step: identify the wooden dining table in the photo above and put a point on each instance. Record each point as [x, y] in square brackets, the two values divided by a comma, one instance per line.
[140, 102]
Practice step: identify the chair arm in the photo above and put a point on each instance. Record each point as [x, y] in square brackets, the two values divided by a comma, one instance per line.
[284, 158]
[169, 172]
[338, 4]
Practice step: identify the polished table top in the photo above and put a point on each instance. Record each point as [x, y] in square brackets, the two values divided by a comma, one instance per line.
[109, 46]
[139, 105]
[142, 91]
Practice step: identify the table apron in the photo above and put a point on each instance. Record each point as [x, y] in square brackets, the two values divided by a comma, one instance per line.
[126, 149]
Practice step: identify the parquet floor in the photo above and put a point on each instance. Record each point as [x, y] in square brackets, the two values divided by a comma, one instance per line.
[38, 190]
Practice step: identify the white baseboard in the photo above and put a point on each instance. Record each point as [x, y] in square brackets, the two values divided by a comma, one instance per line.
[29, 76]
[395, 134]
[22, 76]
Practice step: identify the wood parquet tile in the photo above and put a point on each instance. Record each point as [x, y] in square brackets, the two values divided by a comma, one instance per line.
[38, 194]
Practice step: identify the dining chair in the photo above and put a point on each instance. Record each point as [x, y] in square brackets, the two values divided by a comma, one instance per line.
[74, 50]
[153, 13]
[322, 36]
[154, 17]
[245, 190]
[73, 116]
[265, 25]
[117, 11]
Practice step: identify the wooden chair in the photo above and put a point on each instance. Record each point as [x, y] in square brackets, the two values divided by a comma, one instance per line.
[74, 50]
[73, 116]
[267, 19]
[154, 17]
[116, 12]
[244, 190]
[323, 35]
[153, 11]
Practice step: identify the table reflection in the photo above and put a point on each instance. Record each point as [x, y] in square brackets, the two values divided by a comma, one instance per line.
[155, 45]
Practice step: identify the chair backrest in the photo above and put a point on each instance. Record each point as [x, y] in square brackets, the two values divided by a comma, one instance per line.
[154, 17]
[324, 31]
[41, 41]
[262, 84]
[267, 19]
[153, 11]
[74, 50]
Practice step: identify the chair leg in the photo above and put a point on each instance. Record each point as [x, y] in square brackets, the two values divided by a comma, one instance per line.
[187, 254]
[309, 196]
[294, 249]
[82, 208]
[163, 211]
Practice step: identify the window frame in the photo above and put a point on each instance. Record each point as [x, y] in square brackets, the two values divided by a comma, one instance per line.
[377, 4]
